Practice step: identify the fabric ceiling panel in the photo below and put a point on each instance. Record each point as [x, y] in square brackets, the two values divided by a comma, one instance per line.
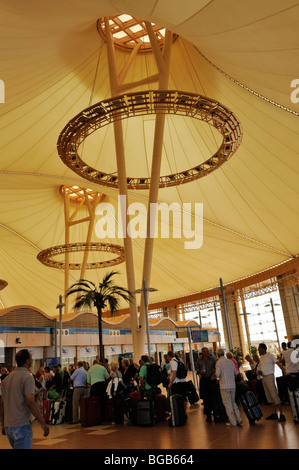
[54, 65]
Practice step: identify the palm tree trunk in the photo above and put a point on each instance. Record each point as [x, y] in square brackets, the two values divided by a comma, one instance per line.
[101, 347]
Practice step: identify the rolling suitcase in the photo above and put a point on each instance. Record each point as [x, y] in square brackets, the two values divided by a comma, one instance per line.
[249, 403]
[47, 410]
[252, 385]
[177, 414]
[192, 394]
[58, 412]
[218, 411]
[109, 411]
[282, 388]
[161, 407]
[135, 397]
[119, 410]
[69, 405]
[145, 413]
[293, 393]
[294, 402]
[90, 411]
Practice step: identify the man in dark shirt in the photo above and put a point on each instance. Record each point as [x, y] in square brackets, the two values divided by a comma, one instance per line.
[57, 380]
[205, 366]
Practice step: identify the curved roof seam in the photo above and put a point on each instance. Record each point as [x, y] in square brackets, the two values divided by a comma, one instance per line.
[255, 212]
[27, 241]
[67, 76]
[229, 230]
[204, 219]
[264, 18]
[284, 108]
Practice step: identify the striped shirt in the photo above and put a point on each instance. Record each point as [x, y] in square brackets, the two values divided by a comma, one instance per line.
[226, 372]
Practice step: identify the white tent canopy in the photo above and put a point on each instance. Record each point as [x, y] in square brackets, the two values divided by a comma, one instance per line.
[54, 65]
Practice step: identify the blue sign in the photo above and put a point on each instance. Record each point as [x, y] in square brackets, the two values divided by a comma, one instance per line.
[52, 361]
[200, 336]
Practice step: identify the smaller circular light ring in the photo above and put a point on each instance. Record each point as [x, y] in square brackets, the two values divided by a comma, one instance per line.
[129, 31]
[78, 195]
[142, 103]
[45, 256]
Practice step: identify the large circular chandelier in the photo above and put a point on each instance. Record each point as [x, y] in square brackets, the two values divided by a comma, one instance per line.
[122, 107]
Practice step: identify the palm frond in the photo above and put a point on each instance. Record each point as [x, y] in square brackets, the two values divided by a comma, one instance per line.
[74, 290]
[113, 303]
[85, 283]
[84, 300]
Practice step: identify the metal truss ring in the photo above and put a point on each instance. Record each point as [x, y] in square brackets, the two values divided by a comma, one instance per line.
[45, 256]
[179, 103]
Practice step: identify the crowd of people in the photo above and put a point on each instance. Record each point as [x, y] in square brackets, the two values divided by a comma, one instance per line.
[218, 377]
[99, 380]
[222, 374]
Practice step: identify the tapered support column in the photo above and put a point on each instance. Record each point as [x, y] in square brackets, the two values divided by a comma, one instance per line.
[163, 63]
[138, 335]
[67, 256]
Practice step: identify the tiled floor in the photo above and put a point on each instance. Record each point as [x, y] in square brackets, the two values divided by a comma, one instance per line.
[196, 434]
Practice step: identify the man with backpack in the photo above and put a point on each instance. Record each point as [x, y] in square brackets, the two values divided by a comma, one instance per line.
[177, 377]
[150, 376]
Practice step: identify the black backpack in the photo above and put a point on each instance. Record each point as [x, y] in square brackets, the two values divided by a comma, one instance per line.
[154, 375]
[181, 372]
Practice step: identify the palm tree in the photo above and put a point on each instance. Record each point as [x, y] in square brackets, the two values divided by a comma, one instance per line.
[99, 297]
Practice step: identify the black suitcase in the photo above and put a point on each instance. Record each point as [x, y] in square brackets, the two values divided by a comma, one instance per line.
[282, 388]
[145, 413]
[292, 381]
[177, 414]
[69, 405]
[192, 394]
[249, 402]
[119, 410]
[293, 394]
[294, 402]
[218, 410]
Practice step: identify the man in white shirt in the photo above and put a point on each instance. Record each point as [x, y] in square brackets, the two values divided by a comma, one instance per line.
[290, 366]
[266, 369]
[226, 373]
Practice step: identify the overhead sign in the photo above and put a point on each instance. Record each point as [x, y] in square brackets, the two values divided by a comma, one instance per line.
[200, 336]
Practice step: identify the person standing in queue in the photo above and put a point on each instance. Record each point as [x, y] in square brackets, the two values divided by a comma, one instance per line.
[205, 366]
[18, 403]
[177, 385]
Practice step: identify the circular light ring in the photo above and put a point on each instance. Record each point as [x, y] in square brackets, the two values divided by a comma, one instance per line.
[46, 255]
[79, 195]
[145, 103]
[3, 284]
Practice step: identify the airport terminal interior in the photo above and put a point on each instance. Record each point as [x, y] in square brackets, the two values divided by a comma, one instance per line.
[156, 142]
